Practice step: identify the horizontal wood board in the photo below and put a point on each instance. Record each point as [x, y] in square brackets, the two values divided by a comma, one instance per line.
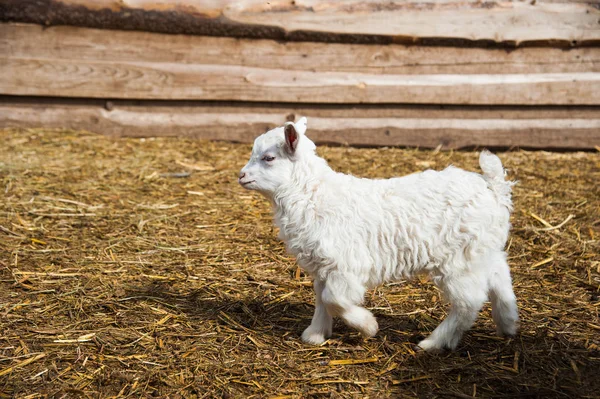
[512, 23]
[428, 127]
[90, 63]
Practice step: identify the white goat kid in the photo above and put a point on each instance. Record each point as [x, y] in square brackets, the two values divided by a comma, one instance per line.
[351, 234]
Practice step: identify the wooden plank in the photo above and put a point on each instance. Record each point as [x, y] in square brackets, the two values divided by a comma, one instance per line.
[132, 80]
[510, 22]
[79, 62]
[62, 42]
[457, 127]
[499, 21]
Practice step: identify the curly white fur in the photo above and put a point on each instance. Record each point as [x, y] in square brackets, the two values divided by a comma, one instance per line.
[351, 234]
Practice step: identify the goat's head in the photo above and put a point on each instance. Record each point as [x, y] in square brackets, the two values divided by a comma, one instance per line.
[273, 156]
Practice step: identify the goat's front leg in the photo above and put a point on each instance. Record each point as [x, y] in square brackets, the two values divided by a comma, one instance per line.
[342, 296]
[322, 322]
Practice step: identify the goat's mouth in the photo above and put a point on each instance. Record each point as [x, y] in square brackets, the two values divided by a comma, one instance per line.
[246, 183]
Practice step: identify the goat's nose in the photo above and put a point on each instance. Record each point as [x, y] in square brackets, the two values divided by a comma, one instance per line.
[242, 174]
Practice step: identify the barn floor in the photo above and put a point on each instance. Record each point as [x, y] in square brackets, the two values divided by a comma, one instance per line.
[139, 268]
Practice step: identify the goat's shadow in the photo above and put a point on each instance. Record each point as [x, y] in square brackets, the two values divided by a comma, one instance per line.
[252, 313]
[284, 317]
[540, 357]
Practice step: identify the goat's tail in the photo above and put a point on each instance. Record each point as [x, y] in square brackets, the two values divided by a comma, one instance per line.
[494, 174]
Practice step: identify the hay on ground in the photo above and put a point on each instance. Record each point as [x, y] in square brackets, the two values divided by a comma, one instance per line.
[139, 268]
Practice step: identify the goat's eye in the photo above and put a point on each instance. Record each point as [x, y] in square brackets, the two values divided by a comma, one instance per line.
[268, 158]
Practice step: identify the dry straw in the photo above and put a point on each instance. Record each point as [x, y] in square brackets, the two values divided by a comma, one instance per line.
[139, 268]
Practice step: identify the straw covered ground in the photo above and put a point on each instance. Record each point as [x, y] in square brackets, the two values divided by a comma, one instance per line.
[139, 268]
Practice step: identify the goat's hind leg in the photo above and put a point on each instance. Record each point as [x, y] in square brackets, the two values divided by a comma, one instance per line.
[342, 296]
[466, 294]
[504, 303]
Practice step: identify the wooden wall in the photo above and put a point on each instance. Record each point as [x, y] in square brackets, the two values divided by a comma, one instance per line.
[498, 74]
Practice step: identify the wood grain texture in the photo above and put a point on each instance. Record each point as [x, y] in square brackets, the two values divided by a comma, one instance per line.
[457, 127]
[62, 42]
[512, 22]
[494, 21]
[79, 62]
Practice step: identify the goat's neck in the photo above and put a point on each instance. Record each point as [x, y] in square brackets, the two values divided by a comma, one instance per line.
[298, 194]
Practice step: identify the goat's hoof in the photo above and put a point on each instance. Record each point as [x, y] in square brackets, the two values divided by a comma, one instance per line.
[313, 337]
[429, 345]
[507, 332]
[417, 348]
[370, 329]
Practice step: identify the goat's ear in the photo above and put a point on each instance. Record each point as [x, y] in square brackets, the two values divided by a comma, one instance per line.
[301, 125]
[291, 137]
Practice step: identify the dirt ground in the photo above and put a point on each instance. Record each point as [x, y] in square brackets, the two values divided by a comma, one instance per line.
[139, 268]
